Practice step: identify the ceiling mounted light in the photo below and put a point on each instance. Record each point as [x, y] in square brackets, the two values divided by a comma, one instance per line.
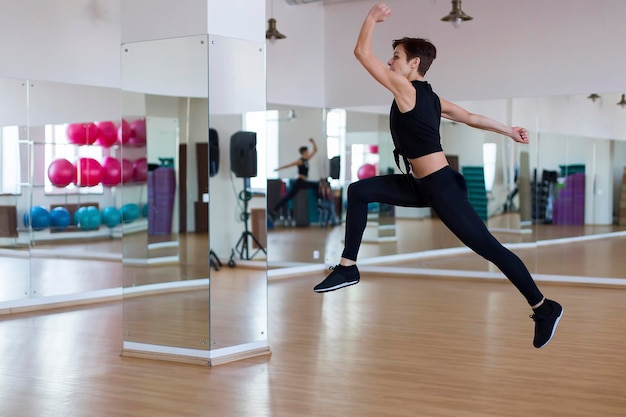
[456, 15]
[272, 32]
[593, 97]
[622, 102]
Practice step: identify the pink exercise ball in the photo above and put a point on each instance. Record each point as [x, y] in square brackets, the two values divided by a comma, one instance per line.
[140, 170]
[137, 133]
[82, 133]
[88, 172]
[366, 171]
[127, 170]
[123, 132]
[111, 172]
[61, 172]
[107, 134]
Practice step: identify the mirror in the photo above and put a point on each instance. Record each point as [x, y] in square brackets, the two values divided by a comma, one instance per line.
[237, 194]
[43, 189]
[513, 204]
[164, 285]
[14, 190]
[69, 187]
[169, 306]
[289, 129]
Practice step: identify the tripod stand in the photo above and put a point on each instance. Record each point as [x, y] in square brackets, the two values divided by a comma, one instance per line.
[214, 261]
[242, 244]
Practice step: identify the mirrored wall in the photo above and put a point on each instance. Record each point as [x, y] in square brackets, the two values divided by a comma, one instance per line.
[53, 193]
[520, 187]
[164, 131]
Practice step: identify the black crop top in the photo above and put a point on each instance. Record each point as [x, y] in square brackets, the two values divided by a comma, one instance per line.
[416, 132]
[303, 168]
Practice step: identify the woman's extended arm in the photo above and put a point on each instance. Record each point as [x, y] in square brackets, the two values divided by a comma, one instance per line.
[314, 151]
[457, 113]
[293, 164]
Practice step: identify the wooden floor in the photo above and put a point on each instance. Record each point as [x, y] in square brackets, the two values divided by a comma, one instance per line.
[389, 346]
[385, 347]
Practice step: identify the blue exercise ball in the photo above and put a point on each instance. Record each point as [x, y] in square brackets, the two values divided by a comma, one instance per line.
[129, 212]
[88, 218]
[60, 218]
[145, 211]
[38, 217]
[110, 216]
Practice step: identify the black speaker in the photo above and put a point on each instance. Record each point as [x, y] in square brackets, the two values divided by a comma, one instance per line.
[334, 167]
[214, 152]
[243, 157]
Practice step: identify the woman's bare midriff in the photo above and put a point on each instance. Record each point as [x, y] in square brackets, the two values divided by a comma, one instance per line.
[427, 164]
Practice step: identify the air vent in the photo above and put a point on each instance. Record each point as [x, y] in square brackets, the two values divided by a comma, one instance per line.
[296, 2]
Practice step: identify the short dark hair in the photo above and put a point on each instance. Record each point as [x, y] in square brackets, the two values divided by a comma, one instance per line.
[418, 47]
[303, 149]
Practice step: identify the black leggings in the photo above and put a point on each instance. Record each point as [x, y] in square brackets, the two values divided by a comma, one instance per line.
[446, 192]
[298, 185]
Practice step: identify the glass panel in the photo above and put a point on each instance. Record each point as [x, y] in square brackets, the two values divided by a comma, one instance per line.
[306, 220]
[166, 277]
[237, 220]
[14, 192]
[69, 190]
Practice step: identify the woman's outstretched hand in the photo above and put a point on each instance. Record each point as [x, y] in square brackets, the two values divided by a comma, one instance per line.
[380, 12]
[519, 134]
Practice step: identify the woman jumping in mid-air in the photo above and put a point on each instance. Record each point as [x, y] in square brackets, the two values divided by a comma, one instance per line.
[414, 121]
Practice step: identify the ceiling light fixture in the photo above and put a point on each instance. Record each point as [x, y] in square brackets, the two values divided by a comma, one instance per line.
[622, 102]
[593, 97]
[456, 15]
[272, 32]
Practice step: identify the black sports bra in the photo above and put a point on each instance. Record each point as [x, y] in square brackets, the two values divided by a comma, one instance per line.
[416, 132]
[303, 168]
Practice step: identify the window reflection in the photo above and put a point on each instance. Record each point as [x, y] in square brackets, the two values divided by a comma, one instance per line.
[10, 168]
[57, 146]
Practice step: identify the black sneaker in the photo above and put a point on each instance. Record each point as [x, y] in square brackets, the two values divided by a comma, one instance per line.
[545, 324]
[342, 276]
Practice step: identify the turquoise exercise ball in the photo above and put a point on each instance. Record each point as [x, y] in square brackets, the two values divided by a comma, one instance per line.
[129, 212]
[88, 218]
[110, 216]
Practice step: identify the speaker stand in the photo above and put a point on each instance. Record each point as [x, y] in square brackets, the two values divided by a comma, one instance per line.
[214, 261]
[242, 244]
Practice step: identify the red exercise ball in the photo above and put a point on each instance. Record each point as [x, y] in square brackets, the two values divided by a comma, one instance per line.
[137, 133]
[61, 172]
[82, 133]
[88, 172]
[127, 170]
[123, 132]
[107, 134]
[366, 171]
[140, 170]
[111, 172]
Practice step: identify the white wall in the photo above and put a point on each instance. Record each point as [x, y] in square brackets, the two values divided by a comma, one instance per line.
[544, 48]
[296, 65]
[76, 41]
[511, 49]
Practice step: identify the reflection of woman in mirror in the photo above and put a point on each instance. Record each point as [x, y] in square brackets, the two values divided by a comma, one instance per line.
[430, 181]
[301, 182]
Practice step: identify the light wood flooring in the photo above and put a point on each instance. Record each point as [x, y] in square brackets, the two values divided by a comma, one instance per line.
[389, 346]
[385, 347]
